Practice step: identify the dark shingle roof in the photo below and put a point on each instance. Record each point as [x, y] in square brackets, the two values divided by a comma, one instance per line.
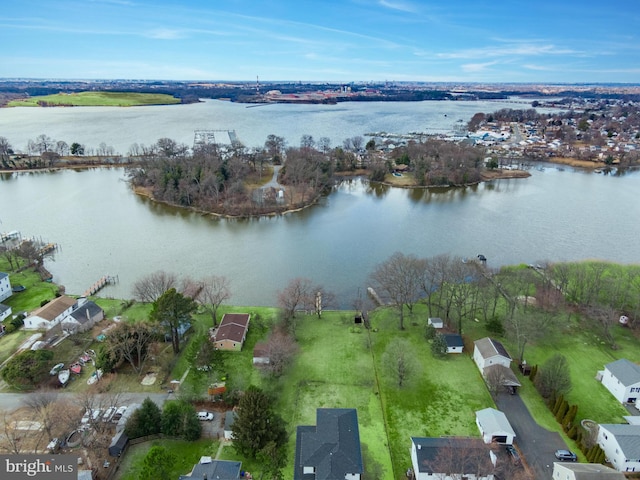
[86, 312]
[233, 327]
[214, 470]
[627, 372]
[332, 447]
[453, 340]
[429, 456]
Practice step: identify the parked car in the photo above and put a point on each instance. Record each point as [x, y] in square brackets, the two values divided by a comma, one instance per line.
[118, 415]
[108, 414]
[513, 453]
[205, 416]
[566, 456]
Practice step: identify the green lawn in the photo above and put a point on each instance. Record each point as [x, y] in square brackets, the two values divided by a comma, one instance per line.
[187, 454]
[86, 99]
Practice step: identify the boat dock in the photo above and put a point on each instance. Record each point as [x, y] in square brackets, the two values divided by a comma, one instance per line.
[100, 284]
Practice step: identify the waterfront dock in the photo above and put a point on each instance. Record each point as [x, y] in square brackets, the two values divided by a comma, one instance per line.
[100, 284]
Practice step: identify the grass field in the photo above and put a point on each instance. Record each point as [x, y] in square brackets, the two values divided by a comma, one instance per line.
[96, 99]
[186, 455]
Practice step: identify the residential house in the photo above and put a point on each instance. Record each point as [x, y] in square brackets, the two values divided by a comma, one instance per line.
[51, 314]
[445, 458]
[5, 286]
[5, 311]
[454, 341]
[584, 471]
[208, 468]
[621, 445]
[494, 426]
[494, 362]
[435, 322]
[487, 352]
[232, 331]
[622, 379]
[331, 449]
[84, 317]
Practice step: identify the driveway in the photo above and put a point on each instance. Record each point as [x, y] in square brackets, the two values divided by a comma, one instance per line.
[536, 444]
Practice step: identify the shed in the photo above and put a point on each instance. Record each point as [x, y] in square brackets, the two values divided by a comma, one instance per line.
[435, 322]
[494, 426]
[261, 354]
[454, 341]
[118, 444]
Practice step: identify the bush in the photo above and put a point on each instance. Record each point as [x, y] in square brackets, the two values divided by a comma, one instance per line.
[494, 325]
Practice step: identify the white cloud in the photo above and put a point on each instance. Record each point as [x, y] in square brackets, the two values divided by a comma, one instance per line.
[477, 67]
[401, 6]
[164, 34]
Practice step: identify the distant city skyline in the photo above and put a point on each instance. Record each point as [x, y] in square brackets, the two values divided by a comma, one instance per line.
[540, 41]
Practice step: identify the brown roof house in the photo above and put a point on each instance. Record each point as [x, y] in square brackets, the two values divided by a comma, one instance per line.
[51, 314]
[232, 331]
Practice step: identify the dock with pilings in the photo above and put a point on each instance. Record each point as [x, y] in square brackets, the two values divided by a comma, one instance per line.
[100, 284]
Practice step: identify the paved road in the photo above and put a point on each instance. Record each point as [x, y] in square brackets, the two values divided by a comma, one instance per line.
[12, 401]
[536, 444]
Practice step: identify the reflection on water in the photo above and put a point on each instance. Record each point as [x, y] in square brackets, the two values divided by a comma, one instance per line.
[104, 228]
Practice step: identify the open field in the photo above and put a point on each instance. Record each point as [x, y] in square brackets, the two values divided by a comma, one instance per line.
[96, 99]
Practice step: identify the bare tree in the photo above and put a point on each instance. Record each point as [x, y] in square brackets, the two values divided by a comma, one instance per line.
[400, 277]
[43, 404]
[554, 377]
[281, 348]
[399, 361]
[605, 318]
[130, 342]
[215, 291]
[294, 296]
[457, 457]
[151, 287]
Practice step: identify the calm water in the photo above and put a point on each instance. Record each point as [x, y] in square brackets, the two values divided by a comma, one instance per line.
[103, 228]
[122, 127]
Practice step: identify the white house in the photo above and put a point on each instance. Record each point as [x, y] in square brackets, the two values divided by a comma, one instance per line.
[438, 459]
[5, 311]
[621, 445]
[5, 286]
[494, 426]
[51, 314]
[584, 471]
[488, 352]
[622, 379]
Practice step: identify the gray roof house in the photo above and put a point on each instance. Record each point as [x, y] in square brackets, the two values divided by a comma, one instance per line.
[621, 445]
[214, 470]
[622, 379]
[83, 318]
[494, 426]
[331, 449]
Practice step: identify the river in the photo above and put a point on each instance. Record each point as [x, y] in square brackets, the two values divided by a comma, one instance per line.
[104, 228]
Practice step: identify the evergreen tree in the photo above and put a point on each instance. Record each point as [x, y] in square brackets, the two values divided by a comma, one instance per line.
[439, 346]
[173, 310]
[179, 419]
[256, 424]
[144, 421]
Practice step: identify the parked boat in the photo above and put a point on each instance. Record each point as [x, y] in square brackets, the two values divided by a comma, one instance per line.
[75, 368]
[63, 376]
[56, 368]
[95, 376]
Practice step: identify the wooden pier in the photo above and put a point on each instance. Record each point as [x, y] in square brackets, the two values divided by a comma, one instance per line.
[100, 284]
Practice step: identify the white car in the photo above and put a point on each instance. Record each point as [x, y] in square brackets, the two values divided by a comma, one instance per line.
[108, 414]
[205, 416]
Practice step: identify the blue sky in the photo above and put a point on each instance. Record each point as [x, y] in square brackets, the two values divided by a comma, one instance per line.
[546, 41]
